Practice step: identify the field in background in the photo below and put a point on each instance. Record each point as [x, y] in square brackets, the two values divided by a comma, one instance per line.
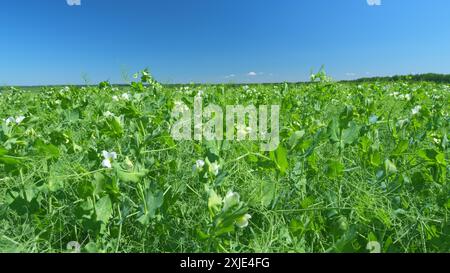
[357, 163]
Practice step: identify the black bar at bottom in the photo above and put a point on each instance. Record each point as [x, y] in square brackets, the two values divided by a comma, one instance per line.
[199, 262]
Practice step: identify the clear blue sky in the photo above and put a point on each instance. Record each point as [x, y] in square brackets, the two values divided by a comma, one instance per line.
[50, 42]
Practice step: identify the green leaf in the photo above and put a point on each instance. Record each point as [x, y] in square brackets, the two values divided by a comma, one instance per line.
[350, 134]
[372, 237]
[281, 159]
[30, 192]
[307, 202]
[223, 229]
[48, 150]
[103, 209]
[295, 138]
[115, 126]
[154, 202]
[98, 183]
[55, 184]
[91, 247]
[389, 167]
[333, 131]
[346, 115]
[214, 202]
[440, 159]
[375, 158]
[225, 222]
[334, 169]
[344, 243]
[447, 205]
[402, 146]
[9, 160]
[427, 154]
[134, 176]
[268, 192]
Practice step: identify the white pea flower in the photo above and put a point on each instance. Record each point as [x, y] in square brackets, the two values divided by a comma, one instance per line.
[106, 163]
[108, 114]
[405, 97]
[436, 141]
[416, 110]
[19, 119]
[115, 98]
[108, 158]
[126, 96]
[242, 222]
[109, 155]
[214, 168]
[16, 120]
[373, 119]
[199, 164]
[230, 200]
[9, 120]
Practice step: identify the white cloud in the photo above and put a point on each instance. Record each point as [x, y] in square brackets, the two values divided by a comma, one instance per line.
[374, 2]
[350, 74]
[252, 74]
[230, 76]
[73, 2]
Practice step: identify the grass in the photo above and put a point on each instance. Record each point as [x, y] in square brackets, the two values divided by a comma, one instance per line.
[355, 164]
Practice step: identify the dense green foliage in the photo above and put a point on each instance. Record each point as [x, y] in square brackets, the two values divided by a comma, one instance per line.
[429, 77]
[356, 163]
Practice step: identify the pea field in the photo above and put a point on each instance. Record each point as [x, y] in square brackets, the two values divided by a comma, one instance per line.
[96, 166]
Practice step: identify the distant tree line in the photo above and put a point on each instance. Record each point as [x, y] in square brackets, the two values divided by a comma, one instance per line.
[429, 77]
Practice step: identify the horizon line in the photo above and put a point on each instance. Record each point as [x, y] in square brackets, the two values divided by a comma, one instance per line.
[229, 83]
